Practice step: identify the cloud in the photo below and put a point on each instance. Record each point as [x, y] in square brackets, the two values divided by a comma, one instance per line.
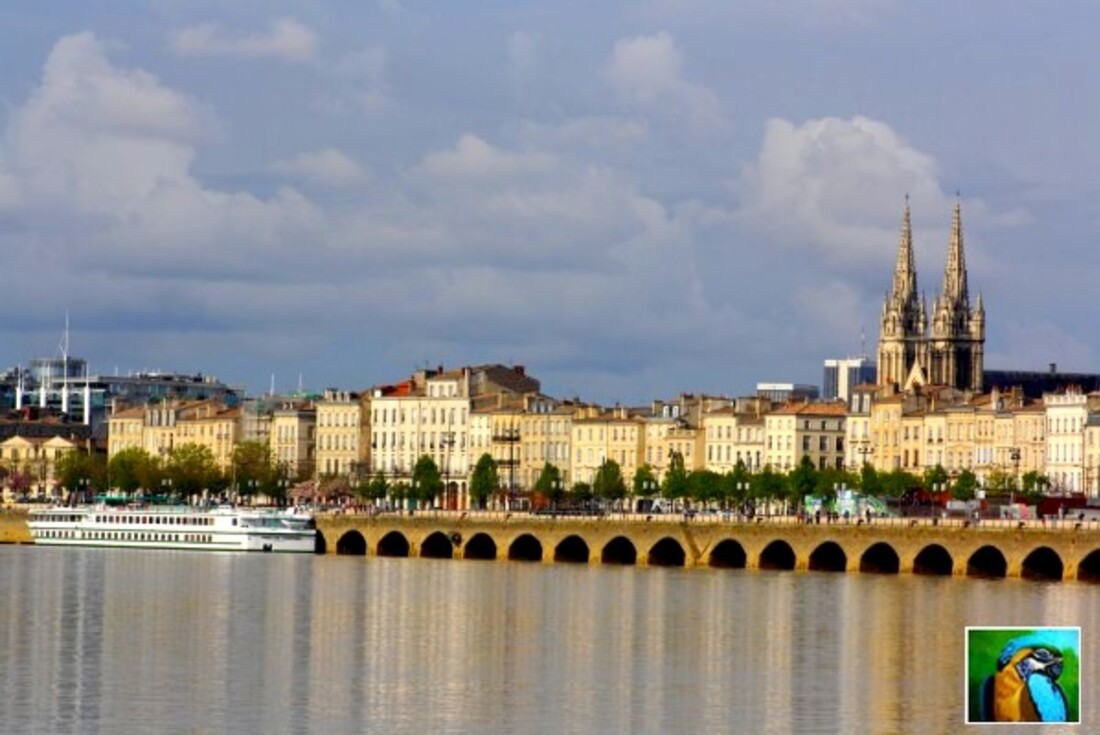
[285, 39]
[838, 186]
[102, 157]
[473, 158]
[328, 167]
[645, 72]
[361, 82]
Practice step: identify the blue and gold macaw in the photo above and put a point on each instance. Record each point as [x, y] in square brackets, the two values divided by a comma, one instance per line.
[1025, 687]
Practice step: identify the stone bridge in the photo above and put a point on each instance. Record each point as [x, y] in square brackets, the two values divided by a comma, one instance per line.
[1053, 551]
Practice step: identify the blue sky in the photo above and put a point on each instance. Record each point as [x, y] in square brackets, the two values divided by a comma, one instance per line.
[631, 198]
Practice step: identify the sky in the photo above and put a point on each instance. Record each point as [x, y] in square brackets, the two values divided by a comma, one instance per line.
[632, 199]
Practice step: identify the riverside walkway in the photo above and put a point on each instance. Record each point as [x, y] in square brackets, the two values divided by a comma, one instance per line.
[1050, 550]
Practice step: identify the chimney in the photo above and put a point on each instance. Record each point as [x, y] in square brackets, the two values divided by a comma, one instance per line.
[1053, 368]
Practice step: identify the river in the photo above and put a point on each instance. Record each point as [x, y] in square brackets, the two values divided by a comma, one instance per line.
[133, 641]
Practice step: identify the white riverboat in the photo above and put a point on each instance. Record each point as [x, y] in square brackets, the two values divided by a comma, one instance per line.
[175, 527]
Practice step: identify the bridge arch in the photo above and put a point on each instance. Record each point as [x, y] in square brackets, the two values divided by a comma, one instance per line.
[619, 550]
[933, 559]
[666, 553]
[880, 558]
[828, 557]
[572, 549]
[393, 543]
[988, 561]
[437, 546]
[1089, 568]
[777, 555]
[351, 543]
[480, 546]
[320, 543]
[1043, 564]
[525, 548]
[728, 554]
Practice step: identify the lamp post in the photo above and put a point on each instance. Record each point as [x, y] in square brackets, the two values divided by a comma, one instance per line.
[166, 486]
[82, 489]
[448, 441]
[1014, 455]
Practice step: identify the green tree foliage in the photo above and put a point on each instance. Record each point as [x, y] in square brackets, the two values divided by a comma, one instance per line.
[252, 468]
[550, 484]
[829, 480]
[965, 486]
[1034, 484]
[870, 482]
[582, 492]
[705, 486]
[191, 468]
[935, 477]
[608, 483]
[803, 480]
[1000, 483]
[132, 469]
[427, 480]
[78, 471]
[375, 489]
[484, 481]
[897, 482]
[675, 482]
[768, 485]
[645, 482]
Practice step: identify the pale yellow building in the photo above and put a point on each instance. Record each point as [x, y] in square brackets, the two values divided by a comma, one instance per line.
[805, 429]
[340, 435]
[35, 459]
[212, 426]
[545, 434]
[293, 438]
[125, 430]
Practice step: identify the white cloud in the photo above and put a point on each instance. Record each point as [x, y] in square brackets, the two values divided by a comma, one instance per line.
[594, 132]
[361, 80]
[285, 39]
[473, 158]
[645, 71]
[328, 167]
[838, 186]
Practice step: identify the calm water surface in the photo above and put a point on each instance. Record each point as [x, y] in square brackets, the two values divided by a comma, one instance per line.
[125, 641]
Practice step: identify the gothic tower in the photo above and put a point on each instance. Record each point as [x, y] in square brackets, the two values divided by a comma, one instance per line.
[902, 343]
[957, 344]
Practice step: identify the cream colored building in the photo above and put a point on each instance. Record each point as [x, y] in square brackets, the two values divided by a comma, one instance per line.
[293, 438]
[545, 433]
[1066, 417]
[857, 428]
[733, 434]
[125, 430]
[212, 426]
[35, 459]
[340, 435]
[803, 429]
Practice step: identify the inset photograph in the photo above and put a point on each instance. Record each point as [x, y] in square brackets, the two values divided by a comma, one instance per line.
[1023, 674]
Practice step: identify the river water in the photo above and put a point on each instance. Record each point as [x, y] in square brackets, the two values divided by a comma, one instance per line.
[130, 641]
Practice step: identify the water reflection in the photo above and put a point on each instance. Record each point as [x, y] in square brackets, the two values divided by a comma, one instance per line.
[123, 641]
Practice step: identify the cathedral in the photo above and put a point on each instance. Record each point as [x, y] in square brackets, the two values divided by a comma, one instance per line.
[951, 352]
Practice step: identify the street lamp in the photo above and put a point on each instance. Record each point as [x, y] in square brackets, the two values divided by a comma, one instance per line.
[166, 486]
[82, 489]
[1014, 455]
[448, 441]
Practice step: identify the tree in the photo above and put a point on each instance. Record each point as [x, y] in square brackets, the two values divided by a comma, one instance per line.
[190, 469]
[803, 480]
[768, 485]
[897, 482]
[870, 483]
[484, 481]
[252, 468]
[132, 469]
[675, 482]
[582, 492]
[1034, 483]
[609, 484]
[645, 482]
[374, 490]
[1000, 483]
[935, 477]
[77, 471]
[965, 486]
[427, 480]
[550, 484]
[704, 486]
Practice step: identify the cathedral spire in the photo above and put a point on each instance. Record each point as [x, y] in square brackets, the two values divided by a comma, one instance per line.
[905, 272]
[954, 274]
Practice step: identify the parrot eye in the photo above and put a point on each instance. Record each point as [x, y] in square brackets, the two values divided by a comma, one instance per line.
[1043, 655]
